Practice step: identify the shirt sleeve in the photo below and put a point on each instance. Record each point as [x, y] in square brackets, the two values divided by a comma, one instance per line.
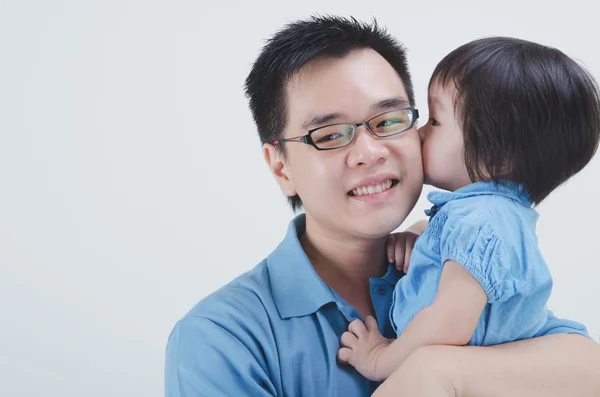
[556, 325]
[473, 243]
[210, 357]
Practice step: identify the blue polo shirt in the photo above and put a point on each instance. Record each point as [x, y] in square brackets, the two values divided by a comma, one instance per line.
[275, 331]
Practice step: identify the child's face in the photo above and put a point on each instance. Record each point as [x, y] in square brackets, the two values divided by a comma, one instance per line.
[442, 140]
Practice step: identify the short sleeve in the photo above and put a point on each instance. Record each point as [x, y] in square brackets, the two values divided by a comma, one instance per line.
[555, 325]
[208, 356]
[473, 243]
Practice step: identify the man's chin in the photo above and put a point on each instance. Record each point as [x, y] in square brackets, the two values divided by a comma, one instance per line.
[377, 227]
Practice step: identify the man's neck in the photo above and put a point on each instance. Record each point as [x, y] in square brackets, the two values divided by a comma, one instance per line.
[345, 263]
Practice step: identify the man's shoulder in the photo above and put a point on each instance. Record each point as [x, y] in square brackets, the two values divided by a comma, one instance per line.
[246, 295]
[225, 342]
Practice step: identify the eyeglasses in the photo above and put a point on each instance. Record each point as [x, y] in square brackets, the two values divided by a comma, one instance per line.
[336, 136]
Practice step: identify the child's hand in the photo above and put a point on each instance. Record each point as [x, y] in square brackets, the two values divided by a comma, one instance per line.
[399, 249]
[362, 347]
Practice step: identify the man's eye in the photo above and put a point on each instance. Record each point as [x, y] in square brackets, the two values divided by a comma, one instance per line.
[390, 122]
[434, 122]
[329, 137]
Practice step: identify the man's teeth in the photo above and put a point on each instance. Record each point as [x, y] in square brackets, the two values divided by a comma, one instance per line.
[380, 187]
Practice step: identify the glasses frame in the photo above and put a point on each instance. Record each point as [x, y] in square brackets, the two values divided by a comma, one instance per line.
[307, 139]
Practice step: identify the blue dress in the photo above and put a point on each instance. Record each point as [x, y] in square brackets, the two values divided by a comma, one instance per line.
[490, 229]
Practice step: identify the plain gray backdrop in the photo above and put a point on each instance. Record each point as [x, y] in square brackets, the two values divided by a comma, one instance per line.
[132, 182]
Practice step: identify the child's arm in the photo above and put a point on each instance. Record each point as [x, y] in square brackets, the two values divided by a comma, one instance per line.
[450, 320]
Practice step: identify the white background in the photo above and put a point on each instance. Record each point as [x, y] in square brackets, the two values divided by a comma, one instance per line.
[132, 182]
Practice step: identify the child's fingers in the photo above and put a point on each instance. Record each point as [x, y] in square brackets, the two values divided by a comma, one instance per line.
[371, 324]
[357, 328]
[399, 253]
[391, 247]
[348, 339]
[344, 355]
[407, 254]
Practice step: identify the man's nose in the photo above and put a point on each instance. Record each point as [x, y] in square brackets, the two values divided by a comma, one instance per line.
[367, 149]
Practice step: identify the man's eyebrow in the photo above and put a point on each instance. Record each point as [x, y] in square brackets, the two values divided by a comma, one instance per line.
[322, 119]
[391, 103]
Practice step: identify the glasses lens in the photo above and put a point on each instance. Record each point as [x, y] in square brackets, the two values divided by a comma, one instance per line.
[333, 136]
[393, 122]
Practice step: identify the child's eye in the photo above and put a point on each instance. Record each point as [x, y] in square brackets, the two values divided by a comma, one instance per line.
[434, 122]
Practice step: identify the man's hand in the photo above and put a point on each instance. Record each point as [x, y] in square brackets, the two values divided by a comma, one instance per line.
[362, 347]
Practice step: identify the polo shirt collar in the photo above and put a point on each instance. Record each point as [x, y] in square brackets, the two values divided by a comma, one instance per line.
[297, 288]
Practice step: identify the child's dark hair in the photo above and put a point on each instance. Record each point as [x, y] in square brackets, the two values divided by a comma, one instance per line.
[529, 113]
[300, 42]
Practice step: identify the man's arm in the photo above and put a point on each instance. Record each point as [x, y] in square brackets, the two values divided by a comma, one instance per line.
[548, 366]
[553, 365]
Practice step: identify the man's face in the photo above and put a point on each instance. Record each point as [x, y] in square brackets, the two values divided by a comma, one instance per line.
[332, 184]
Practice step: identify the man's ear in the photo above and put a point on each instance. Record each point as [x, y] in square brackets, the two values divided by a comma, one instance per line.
[280, 169]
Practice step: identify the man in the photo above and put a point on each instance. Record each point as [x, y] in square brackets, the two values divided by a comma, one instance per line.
[334, 106]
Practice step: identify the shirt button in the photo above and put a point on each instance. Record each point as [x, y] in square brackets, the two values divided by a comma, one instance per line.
[381, 291]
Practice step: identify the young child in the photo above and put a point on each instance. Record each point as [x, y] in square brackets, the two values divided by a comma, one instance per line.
[510, 121]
